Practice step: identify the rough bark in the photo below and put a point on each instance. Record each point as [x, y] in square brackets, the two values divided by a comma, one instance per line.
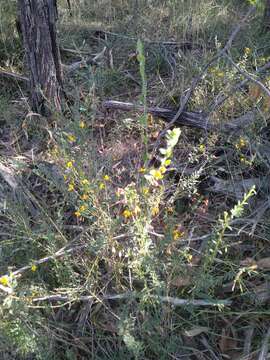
[266, 17]
[38, 24]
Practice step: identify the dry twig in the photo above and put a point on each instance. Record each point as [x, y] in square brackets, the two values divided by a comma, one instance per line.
[164, 299]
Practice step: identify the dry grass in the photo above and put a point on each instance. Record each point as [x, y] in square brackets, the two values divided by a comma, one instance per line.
[81, 188]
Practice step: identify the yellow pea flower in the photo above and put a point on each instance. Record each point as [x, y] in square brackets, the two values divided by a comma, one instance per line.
[127, 214]
[189, 257]
[202, 148]
[77, 213]
[155, 211]
[71, 138]
[145, 190]
[177, 234]
[156, 173]
[71, 187]
[106, 178]
[69, 164]
[162, 169]
[167, 162]
[82, 208]
[82, 124]
[247, 50]
[241, 143]
[142, 170]
[85, 182]
[4, 280]
[101, 186]
[33, 268]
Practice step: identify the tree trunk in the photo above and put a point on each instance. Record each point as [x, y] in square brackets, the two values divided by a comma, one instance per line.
[266, 17]
[38, 24]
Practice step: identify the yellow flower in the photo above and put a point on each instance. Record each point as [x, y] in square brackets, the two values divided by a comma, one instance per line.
[71, 187]
[177, 234]
[162, 169]
[145, 190]
[157, 175]
[247, 50]
[167, 162]
[241, 143]
[65, 177]
[245, 161]
[82, 208]
[71, 138]
[142, 170]
[77, 213]
[33, 268]
[155, 211]
[106, 178]
[4, 280]
[82, 124]
[69, 164]
[189, 257]
[202, 148]
[85, 197]
[101, 186]
[85, 182]
[127, 214]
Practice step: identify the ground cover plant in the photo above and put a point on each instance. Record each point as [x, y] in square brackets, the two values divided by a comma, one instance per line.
[134, 223]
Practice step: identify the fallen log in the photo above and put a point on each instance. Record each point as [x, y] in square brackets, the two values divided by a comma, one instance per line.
[192, 119]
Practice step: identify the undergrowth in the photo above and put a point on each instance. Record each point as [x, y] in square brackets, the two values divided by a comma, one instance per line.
[110, 250]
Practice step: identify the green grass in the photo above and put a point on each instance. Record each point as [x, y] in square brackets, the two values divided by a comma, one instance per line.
[136, 230]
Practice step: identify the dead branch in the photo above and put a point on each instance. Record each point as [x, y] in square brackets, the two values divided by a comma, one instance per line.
[9, 176]
[191, 119]
[85, 62]
[184, 46]
[61, 252]
[74, 51]
[221, 98]
[164, 299]
[240, 123]
[13, 76]
[248, 76]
